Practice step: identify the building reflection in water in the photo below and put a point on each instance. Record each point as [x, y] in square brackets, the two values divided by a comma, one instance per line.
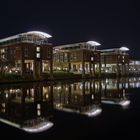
[82, 97]
[25, 108]
[30, 107]
[116, 91]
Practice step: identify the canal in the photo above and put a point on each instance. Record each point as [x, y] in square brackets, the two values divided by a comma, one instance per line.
[108, 108]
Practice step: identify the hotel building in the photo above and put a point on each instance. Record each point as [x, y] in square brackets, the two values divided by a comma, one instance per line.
[115, 60]
[81, 58]
[134, 67]
[27, 54]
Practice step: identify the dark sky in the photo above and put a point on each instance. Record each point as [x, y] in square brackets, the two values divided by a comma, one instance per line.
[111, 23]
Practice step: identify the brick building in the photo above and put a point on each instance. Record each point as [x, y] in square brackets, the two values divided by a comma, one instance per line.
[115, 60]
[80, 57]
[27, 54]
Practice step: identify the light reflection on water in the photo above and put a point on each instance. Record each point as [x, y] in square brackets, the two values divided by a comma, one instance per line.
[30, 106]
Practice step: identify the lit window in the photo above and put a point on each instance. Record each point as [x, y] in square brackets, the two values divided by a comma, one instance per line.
[92, 58]
[38, 49]
[2, 50]
[37, 55]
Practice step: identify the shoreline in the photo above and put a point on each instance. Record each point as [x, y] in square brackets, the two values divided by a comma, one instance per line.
[64, 77]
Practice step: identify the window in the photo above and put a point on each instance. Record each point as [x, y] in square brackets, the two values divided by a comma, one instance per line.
[92, 58]
[2, 50]
[37, 55]
[38, 49]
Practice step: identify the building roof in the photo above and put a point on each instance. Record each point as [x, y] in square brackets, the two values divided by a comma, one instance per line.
[38, 34]
[115, 49]
[124, 49]
[93, 43]
[75, 45]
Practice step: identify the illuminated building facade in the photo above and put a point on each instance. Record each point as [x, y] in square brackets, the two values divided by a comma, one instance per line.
[115, 60]
[27, 54]
[83, 58]
[134, 67]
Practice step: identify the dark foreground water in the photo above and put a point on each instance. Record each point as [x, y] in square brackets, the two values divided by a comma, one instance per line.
[93, 109]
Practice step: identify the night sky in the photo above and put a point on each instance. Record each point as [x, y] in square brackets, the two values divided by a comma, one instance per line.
[111, 23]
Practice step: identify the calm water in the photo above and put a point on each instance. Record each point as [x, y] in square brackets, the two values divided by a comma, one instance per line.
[71, 109]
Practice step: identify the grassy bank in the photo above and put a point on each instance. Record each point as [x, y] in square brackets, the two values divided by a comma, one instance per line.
[65, 75]
[57, 75]
[12, 78]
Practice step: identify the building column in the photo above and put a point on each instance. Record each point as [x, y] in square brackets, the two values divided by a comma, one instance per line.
[40, 68]
[118, 71]
[34, 68]
[83, 66]
[93, 69]
[99, 68]
[37, 69]
[51, 63]
[51, 69]
[123, 70]
[105, 63]
[127, 68]
[22, 67]
[83, 69]
[90, 72]
[69, 64]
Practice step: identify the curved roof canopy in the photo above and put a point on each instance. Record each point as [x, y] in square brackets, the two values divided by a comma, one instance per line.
[38, 33]
[41, 35]
[93, 43]
[124, 49]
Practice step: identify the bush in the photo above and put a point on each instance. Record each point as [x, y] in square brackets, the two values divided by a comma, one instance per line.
[10, 77]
